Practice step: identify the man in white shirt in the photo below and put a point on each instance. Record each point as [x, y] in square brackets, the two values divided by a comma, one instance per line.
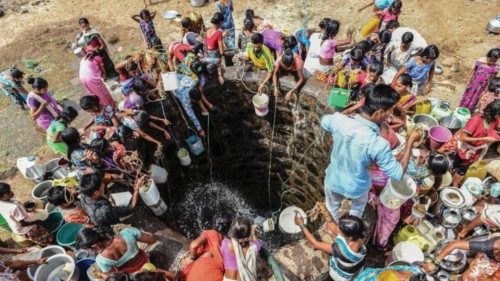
[397, 55]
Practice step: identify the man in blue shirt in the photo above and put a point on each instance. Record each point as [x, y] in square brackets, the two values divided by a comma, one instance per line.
[356, 145]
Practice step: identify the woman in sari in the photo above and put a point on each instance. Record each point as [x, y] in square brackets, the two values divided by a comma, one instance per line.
[11, 84]
[205, 260]
[92, 73]
[91, 40]
[391, 273]
[43, 107]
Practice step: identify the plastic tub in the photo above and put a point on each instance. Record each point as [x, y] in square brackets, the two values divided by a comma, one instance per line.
[260, 104]
[66, 236]
[183, 155]
[438, 135]
[395, 193]
[83, 266]
[58, 267]
[36, 172]
[425, 119]
[286, 220]
[159, 174]
[46, 252]
[54, 222]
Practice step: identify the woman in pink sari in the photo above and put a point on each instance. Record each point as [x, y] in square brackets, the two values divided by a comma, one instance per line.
[92, 73]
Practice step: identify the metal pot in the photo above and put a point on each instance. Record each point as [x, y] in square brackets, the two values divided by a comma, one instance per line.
[425, 119]
[448, 233]
[451, 218]
[493, 25]
[443, 276]
[451, 123]
[456, 261]
[468, 214]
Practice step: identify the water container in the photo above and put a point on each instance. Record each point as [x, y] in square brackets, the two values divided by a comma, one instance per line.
[52, 165]
[195, 144]
[54, 222]
[339, 97]
[183, 155]
[149, 193]
[430, 234]
[36, 172]
[41, 190]
[452, 197]
[451, 123]
[423, 106]
[260, 104]
[83, 266]
[434, 102]
[46, 252]
[120, 198]
[495, 190]
[24, 163]
[438, 135]
[441, 111]
[158, 174]
[462, 114]
[395, 193]
[405, 233]
[478, 169]
[58, 267]
[66, 236]
[159, 208]
[406, 251]
[426, 120]
[169, 81]
[471, 189]
[197, 3]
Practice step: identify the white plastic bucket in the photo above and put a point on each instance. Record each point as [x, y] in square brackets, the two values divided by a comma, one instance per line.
[260, 103]
[471, 189]
[159, 208]
[286, 220]
[24, 163]
[395, 193]
[183, 155]
[407, 251]
[121, 198]
[44, 253]
[158, 174]
[197, 3]
[149, 193]
[170, 81]
[52, 165]
[59, 266]
[41, 190]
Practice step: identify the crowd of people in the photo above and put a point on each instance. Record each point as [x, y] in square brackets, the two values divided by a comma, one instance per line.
[384, 76]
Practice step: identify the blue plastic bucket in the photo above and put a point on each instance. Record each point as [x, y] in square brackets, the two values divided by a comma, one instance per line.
[195, 144]
[83, 266]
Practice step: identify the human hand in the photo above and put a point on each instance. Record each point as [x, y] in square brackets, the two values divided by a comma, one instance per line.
[490, 139]
[41, 261]
[299, 220]
[289, 95]
[276, 91]
[140, 182]
[201, 133]
[415, 135]
[427, 88]
[167, 135]
[166, 122]
[261, 88]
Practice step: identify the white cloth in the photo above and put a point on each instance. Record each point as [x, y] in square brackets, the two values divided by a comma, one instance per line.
[311, 64]
[13, 213]
[247, 264]
[399, 57]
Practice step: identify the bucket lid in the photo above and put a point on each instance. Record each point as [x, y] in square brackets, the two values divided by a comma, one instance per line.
[287, 219]
[463, 111]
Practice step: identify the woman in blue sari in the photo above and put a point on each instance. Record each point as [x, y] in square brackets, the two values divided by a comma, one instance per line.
[347, 251]
[225, 7]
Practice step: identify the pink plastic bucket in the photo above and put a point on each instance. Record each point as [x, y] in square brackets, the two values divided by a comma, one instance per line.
[438, 135]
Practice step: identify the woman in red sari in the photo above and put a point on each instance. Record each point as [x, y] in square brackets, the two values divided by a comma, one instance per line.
[205, 260]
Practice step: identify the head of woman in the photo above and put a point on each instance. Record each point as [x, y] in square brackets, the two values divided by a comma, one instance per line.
[60, 196]
[352, 227]
[356, 55]
[16, 74]
[429, 54]
[68, 115]
[289, 42]
[392, 25]
[100, 146]
[118, 276]
[365, 45]
[322, 23]
[395, 7]
[494, 85]
[198, 67]
[375, 69]
[222, 223]
[132, 69]
[5, 192]
[145, 15]
[141, 118]
[406, 40]
[331, 29]
[249, 14]
[492, 56]
[438, 164]
[39, 85]
[149, 276]
[84, 24]
[248, 25]
[257, 41]
[491, 112]
[124, 132]
[240, 230]
[403, 83]
[185, 23]
[217, 19]
[384, 36]
[90, 104]
[287, 59]
[89, 238]
[139, 85]
[71, 137]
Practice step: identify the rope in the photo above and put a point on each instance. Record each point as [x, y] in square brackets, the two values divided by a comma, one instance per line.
[208, 147]
[271, 153]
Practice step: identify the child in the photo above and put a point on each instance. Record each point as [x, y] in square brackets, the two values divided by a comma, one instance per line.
[484, 70]
[43, 107]
[288, 62]
[246, 34]
[139, 120]
[421, 69]
[215, 48]
[103, 117]
[11, 84]
[402, 86]
[69, 207]
[145, 20]
[225, 7]
[391, 13]
[490, 96]
[56, 127]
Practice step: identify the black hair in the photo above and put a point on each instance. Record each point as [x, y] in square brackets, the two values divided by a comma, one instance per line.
[131, 66]
[366, 89]
[185, 22]
[381, 97]
[16, 73]
[257, 38]
[240, 230]
[249, 14]
[157, 44]
[289, 42]
[493, 53]
[352, 226]
[68, 114]
[38, 83]
[198, 67]
[494, 85]
[491, 111]
[195, 94]
[89, 102]
[71, 137]
[142, 118]
[376, 67]
[422, 277]
[83, 21]
[217, 18]
[144, 13]
[357, 54]
[392, 24]
[407, 37]
[149, 276]
[396, 6]
[99, 145]
[118, 276]
[89, 237]
[331, 29]
[222, 223]
[406, 80]
[248, 25]
[89, 183]
[57, 195]
[364, 45]
[4, 189]
[385, 36]
[430, 52]
[124, 132]
[438, 164]
[287, 58]
[139, 85]
[322, 23]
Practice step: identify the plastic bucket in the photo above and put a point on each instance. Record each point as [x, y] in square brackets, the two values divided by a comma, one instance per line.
[58, 267]
[52, 165]
[395, 193]
[46, 252]
[438, 135]
[195, 144]
[149, 193]
[170, 81]
[83, 266]
[159, 174]
[66, 236]
[183, 155]
[54, 222]
[60, 173]
[407, 251]
[197, 3]
[36, 172]
[41, 190]
[260, 103]
[159, 208]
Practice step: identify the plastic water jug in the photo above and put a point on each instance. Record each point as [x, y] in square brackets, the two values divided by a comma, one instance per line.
[462, 114]
[405, 233]
[478, 170]
[339, 97]
[423, 106]
[471, 189]
[24, 163]
[442, 110]
[195, 144]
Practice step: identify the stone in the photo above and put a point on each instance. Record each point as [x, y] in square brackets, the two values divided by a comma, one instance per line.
[2, 13]
[455, 67]
[448, 61]
[23, 10]
[113, 39]
[478, 40]
[36, 3]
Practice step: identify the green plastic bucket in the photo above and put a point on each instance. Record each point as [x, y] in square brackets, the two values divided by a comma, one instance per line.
[66, 236]
[339, 97]
[4, 225]
[54, 222]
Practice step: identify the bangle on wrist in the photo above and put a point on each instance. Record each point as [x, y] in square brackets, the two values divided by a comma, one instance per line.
[303, 226]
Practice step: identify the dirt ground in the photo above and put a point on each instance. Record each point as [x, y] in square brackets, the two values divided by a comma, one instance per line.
[42, 31]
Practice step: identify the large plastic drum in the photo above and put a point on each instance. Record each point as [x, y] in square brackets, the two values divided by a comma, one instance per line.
[395, 193]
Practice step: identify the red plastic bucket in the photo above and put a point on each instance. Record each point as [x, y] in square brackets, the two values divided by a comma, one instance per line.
[438, 135]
